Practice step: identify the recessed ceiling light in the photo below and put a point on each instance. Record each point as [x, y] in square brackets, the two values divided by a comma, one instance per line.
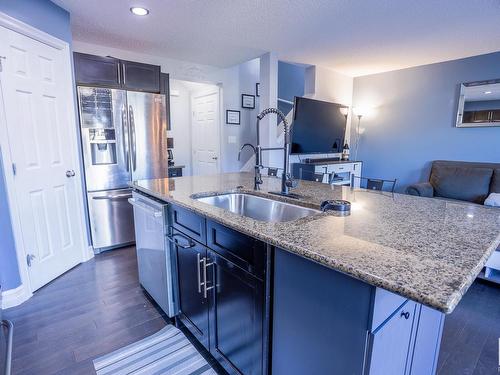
[139, 11]
[487, 92]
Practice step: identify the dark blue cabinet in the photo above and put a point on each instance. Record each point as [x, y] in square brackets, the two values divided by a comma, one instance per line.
[193, 305]
[222, 291]
[236, 318]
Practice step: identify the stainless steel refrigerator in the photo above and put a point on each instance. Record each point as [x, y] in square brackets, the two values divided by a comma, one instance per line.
[124, 136]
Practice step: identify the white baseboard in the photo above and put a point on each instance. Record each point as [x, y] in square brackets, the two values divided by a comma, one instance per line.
[89, 254]
[14, 297]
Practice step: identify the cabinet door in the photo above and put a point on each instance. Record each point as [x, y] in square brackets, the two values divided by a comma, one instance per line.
[193, 306]
[236, 317]
[140, 77]
[97, 70]
[390, 343]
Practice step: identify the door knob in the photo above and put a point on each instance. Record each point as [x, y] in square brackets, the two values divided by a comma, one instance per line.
[70, 173]
[214, 157]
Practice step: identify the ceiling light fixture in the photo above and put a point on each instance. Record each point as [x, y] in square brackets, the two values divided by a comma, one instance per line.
[139, 11]
[487, 92]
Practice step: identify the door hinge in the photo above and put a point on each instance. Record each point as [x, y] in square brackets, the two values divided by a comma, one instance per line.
[29, 258]
[14, 169]
[1, 58]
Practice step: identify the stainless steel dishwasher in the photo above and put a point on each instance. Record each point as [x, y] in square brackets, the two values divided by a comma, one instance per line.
[155, 261]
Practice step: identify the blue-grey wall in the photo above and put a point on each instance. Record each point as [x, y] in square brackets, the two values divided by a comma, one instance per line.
[413, 118]
[291, 83]
[48, 17]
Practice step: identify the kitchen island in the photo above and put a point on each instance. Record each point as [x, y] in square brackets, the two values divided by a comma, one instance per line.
[334, 282]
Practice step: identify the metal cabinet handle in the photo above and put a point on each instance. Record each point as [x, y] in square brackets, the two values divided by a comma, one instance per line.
[405, 315]
[188, 246]
[205, 287]
[70, 173]
[198, 270]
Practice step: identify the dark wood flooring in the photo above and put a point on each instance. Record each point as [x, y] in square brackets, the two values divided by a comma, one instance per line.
[471, 333]
[93, 309]
[99, 306]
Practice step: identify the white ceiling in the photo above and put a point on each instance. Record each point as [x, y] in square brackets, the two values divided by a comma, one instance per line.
[354, 37]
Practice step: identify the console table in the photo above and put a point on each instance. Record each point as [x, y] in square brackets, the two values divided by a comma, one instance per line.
[343, 170]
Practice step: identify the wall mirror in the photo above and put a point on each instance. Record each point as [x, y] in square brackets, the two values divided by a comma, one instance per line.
[479, 104]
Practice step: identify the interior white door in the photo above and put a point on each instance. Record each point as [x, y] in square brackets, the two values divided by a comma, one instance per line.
[42, 139]
[205, 132]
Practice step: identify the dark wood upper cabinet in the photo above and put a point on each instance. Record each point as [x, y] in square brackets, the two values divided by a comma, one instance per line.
[114, 73]
[140, 77]
[97, 70]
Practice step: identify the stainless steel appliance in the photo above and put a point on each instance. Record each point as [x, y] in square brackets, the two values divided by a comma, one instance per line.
[123, 139]
[155, 261]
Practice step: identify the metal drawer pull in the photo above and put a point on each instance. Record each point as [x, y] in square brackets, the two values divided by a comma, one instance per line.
[134, 202]
[405, 315]
[198, 261]
[188, 246]
[205, 288]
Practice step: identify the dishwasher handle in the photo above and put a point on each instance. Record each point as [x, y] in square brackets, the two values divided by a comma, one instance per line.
[150, 210]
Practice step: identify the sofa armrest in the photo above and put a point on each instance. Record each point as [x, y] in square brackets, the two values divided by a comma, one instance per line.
[423, 189]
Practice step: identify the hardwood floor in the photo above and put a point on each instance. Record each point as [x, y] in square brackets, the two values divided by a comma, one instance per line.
[471, 333]
[93, 309]
[99, 306]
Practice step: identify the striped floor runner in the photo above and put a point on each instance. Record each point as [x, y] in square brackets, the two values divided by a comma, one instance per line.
[166, 352]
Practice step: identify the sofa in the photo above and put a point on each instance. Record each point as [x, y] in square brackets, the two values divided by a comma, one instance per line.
[460, 180]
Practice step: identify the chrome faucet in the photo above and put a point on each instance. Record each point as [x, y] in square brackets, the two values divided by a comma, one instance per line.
[287, 181]
[258, 177]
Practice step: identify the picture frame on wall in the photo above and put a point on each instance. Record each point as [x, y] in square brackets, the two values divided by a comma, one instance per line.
[247, 101]
[257, 89]
[233, 117]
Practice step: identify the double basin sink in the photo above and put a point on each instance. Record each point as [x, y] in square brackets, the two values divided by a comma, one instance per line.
[258, 208]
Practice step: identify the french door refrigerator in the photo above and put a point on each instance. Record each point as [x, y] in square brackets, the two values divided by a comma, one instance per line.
[124, 135]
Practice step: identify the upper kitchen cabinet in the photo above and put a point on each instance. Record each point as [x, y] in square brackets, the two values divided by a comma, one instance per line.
[140, 77]
[114, 73]
[97, 70]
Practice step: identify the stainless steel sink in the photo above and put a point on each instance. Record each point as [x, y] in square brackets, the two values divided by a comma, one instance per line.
[258, 208]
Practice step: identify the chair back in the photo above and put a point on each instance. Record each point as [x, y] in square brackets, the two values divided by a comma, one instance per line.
[370, 183]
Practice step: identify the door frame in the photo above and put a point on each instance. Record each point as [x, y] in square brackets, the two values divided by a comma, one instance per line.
[216, 89]
[24, 291]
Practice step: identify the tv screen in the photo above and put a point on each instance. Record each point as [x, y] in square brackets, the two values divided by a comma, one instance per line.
[318, 127]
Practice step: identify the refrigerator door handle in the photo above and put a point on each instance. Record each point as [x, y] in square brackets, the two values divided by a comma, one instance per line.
[132, 137]
[125, 136]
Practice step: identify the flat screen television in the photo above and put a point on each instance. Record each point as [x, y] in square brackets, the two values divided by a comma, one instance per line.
[318, 127]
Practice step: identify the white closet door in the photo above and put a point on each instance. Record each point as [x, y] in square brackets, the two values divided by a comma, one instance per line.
[42, 139]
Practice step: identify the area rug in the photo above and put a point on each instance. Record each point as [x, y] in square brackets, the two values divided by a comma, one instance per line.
[167, 352]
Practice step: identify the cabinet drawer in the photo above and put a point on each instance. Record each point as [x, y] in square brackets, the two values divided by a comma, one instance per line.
[340, 168]
[188, 222]
[384, 305]
[244, 251]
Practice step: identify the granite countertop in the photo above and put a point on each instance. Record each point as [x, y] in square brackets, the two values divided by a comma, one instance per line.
[425, 249]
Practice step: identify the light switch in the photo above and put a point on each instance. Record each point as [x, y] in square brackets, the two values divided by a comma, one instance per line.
[231, 139]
